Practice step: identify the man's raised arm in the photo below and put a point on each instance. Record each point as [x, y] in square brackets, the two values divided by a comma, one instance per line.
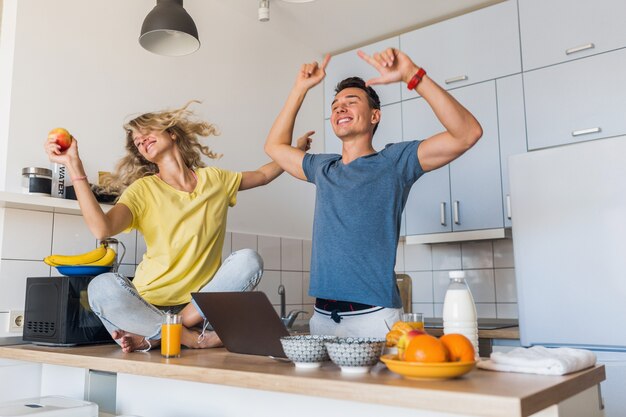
[462, 129]
[278, 143]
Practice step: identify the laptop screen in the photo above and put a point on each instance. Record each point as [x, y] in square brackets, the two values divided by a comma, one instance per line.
[246, 322]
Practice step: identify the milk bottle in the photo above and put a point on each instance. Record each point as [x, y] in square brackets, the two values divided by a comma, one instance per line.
[459, 311]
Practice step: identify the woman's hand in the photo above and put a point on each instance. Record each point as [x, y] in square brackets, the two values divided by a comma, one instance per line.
[62, 157]
[304, 142]
[311, 74]
[392, 64]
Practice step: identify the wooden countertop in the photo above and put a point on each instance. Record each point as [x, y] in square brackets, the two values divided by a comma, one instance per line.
[481, 393]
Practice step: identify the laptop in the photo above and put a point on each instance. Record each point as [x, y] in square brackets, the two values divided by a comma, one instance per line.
[246, 322]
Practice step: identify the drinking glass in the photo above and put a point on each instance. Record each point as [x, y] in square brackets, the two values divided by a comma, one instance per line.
[171, 330]
[415, 320]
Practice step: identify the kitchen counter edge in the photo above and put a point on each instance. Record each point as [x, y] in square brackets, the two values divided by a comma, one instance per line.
[480, 393]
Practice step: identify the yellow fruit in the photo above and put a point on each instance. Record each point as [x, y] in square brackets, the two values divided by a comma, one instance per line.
[106, 260]
[392, 337]
[403, 326]
[82, 259]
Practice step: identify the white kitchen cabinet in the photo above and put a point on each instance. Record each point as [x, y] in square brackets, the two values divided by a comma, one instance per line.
[475, 183]
[512, 131]
[348, 64]
[576, 101]
[468, 49]
[467, 195]
[554, 31]
[428, 206]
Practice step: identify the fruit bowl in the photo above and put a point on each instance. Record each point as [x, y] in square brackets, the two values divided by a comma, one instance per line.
[78, 270]
[306, 351]
[427, 370]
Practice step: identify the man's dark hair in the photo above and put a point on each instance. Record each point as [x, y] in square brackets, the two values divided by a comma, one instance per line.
[357, 82]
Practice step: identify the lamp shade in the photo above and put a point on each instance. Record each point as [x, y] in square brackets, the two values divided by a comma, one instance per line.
[169, 30]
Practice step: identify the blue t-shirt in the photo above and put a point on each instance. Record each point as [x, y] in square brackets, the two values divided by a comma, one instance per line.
[358, 211]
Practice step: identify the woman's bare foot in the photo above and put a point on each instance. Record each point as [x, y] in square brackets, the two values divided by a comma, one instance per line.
[190, 338]
[131, 342]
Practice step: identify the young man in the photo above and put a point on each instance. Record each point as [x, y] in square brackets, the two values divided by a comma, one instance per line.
[361, 193]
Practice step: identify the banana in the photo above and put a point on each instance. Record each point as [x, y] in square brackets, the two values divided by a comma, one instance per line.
[106, 260]
[82, 259]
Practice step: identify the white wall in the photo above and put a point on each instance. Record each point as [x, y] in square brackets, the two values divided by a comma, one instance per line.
[78, 64]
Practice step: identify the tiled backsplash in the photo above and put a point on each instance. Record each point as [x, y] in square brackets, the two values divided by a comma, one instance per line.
[489, 270]
[29, 236]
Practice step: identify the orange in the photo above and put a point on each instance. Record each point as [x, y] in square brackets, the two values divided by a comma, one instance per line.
[392, 337]
[425, 348]
[459, 347]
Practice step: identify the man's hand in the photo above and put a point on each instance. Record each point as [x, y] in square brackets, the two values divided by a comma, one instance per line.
[304, 142]
[311, 74]
[392, 64]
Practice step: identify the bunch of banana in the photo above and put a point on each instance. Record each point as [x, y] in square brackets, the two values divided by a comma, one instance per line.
[103, 255]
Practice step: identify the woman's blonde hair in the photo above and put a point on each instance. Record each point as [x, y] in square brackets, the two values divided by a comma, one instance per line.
[178, 122]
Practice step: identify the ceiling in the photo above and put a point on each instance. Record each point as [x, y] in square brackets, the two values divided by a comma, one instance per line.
[332, 26]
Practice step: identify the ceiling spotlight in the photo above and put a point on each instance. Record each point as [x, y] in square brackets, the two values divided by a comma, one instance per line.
[169, 30]
[264, 10]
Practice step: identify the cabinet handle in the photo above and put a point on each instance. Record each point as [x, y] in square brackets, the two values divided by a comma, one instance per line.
[442, 213]
[579, 48]
[456, 79]
[456, 212]
[508, 206]
[586, 131]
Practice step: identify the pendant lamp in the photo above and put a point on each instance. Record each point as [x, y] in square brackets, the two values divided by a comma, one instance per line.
[169, 30]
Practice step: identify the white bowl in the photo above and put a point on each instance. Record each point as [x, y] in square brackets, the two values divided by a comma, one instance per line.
[306, 351]
[355, 354]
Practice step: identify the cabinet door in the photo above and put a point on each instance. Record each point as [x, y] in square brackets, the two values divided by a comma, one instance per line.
[554, 31]
[468, 49]
[348, 64]
[428, 206]
[512, 131]
[475, 184]
[576, 101]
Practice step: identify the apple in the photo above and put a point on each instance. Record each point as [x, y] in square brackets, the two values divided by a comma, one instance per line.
[404, 340]
[62, 137]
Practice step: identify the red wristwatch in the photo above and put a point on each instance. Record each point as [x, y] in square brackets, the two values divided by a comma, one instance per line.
[416, 79]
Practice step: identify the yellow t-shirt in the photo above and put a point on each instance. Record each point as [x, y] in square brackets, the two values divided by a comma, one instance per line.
[184, 233]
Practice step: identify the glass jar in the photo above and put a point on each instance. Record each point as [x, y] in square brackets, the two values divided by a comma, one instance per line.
[36, 181]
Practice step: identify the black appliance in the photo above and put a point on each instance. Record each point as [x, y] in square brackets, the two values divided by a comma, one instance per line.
[57, 313]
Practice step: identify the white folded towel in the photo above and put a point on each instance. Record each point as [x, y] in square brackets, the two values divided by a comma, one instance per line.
[540, 360]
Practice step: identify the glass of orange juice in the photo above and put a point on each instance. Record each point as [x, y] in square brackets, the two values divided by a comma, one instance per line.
[171, 330]
[415, 320]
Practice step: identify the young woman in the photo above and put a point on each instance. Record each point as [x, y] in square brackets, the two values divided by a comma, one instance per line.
[179, 205]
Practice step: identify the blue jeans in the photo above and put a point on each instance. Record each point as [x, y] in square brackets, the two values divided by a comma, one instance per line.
[119, 306]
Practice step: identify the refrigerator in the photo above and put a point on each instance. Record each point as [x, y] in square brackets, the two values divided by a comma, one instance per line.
[568, 208]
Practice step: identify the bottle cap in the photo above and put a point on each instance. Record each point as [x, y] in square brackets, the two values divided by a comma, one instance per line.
[456, 274]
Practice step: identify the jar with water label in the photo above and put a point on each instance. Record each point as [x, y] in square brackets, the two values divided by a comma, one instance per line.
[459, 310]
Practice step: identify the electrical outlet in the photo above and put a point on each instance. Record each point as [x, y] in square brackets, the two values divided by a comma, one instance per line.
[16, 321]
